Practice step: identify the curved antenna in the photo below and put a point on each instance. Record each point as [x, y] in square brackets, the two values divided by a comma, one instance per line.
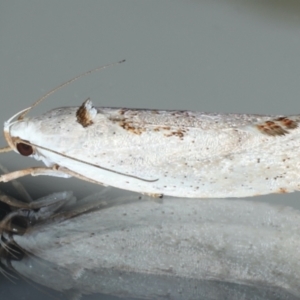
[25, 112]
[6, 128]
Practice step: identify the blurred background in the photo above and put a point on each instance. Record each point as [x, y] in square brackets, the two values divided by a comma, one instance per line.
[209, 55]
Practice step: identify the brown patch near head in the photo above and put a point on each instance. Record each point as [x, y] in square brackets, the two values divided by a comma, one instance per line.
[85, 114]
[279, 126]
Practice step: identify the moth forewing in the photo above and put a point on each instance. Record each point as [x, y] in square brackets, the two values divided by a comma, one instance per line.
[176, 153]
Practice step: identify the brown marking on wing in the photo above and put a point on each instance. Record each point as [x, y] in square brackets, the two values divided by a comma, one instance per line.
[130, 127]
[83, 115]
[126, 122]
[161, 128]
[287, 123]
[279, 126]
[180, 133]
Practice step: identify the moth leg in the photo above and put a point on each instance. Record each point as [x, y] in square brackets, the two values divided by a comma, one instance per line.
[55, 171]
[34, 171]
[18, 186]
[13, 202]
[45, 202]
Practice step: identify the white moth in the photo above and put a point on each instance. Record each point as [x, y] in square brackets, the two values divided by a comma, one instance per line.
[176, 153]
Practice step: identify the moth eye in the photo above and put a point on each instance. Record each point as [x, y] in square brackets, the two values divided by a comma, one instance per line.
[24, 149]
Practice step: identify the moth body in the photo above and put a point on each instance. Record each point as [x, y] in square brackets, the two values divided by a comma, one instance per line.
[176, 153]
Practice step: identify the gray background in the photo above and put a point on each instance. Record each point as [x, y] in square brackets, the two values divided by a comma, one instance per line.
[210, 55]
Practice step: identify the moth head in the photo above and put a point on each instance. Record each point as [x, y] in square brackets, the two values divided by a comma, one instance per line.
[12, 128]
[21, 144]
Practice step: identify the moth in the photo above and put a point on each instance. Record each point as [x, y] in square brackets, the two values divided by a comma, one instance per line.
[159, 152]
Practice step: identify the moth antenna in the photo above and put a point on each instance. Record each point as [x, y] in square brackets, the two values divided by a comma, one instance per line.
[8, 122]
[9, 200]
[90, 164]
[24, 113]
[7, 125]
